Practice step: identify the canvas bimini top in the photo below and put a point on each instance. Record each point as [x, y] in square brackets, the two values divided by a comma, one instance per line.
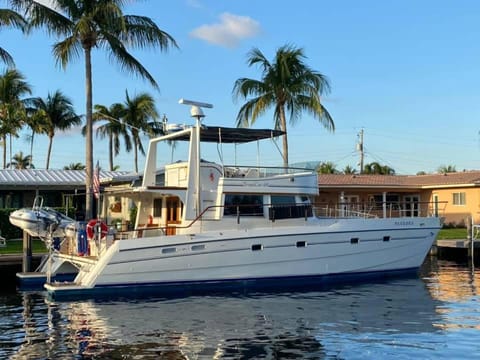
[217, 134]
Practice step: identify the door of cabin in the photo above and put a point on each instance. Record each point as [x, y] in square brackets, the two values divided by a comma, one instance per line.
[174, 214]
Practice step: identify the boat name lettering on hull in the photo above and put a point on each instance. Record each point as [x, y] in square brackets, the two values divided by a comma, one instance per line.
[404, 222]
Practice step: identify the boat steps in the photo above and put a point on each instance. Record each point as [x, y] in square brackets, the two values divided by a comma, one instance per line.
[79, 260]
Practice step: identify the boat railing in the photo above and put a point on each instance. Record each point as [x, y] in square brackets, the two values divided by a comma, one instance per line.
[234, 171]
[380, 209]
[274, 212]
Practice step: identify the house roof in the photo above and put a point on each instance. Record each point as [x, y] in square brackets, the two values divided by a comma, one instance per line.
[42, 177]
[466, 178]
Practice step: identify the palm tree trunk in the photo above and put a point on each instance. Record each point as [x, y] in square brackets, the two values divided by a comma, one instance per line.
[49, 151]
[110, 150]
[31, 149]
[283, 127]
[135, 151]
[89, 140]
[4, 140]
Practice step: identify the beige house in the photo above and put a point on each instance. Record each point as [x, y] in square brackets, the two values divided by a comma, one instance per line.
[454, 196]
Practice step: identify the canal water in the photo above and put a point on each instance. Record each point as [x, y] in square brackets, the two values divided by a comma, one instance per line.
[433, 316]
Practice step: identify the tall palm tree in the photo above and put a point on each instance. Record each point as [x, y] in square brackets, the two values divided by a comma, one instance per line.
[287, 84]
[114, 129]
[20, 161]
[85, 25]
[35, 120]
[139, 113]
[10, 18]
[58, 114]
[12, 107]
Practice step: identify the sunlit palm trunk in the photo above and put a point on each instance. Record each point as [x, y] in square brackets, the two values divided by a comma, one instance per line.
[110, 150]
[49, 151]
[283, 125]
[89, 142]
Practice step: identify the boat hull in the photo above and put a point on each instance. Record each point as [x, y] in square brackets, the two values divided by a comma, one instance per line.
[315, 252]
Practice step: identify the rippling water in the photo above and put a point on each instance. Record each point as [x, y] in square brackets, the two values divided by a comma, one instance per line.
[433, 316]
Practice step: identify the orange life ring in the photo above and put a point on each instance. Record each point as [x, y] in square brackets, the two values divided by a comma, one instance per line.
[90, 228]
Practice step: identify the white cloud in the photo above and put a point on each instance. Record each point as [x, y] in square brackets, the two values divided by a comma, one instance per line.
[229, 31]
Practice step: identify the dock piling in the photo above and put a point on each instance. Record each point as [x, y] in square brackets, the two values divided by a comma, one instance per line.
[27, 252]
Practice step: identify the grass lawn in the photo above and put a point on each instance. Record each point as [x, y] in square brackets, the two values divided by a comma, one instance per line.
[16, 247]
[457, 233]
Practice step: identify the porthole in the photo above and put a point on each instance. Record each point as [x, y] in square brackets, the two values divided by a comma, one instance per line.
[257, 247]
[169, 250]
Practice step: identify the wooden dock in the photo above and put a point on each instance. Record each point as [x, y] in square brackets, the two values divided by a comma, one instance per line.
[16, 259]
[455, 246]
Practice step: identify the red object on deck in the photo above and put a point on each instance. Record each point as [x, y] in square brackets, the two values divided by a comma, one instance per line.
[91, 228]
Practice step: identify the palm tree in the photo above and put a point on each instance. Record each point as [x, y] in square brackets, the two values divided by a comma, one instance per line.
[114, 129]
[12, 107]
[349, 170]
[58, 114]
[374, 168]
[20, 161]
[287, 84]
[446, 169]
[35, 120]
[10, 18]
[327, 167]
[139, 110]
[85, 25]
[74, 166]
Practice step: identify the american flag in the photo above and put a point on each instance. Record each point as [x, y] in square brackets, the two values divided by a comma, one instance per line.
[96, 181]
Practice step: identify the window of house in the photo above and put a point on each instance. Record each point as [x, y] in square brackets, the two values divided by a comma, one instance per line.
[459, 198]
[392, 201]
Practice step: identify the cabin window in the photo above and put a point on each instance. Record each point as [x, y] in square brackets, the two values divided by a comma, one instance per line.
[354, 241]
[157, 207]
[459, 198]
[285, 207]
[198, 247]
[169, 250]
[386, 238]
[301, 244]
[243, 204]
[283, 200]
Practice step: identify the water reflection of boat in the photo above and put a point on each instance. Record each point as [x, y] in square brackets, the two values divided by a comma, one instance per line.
[251, 325]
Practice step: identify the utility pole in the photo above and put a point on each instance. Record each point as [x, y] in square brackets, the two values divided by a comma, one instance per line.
[360, 150]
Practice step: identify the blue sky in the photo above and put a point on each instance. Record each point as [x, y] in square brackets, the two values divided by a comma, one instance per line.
[407, 72]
